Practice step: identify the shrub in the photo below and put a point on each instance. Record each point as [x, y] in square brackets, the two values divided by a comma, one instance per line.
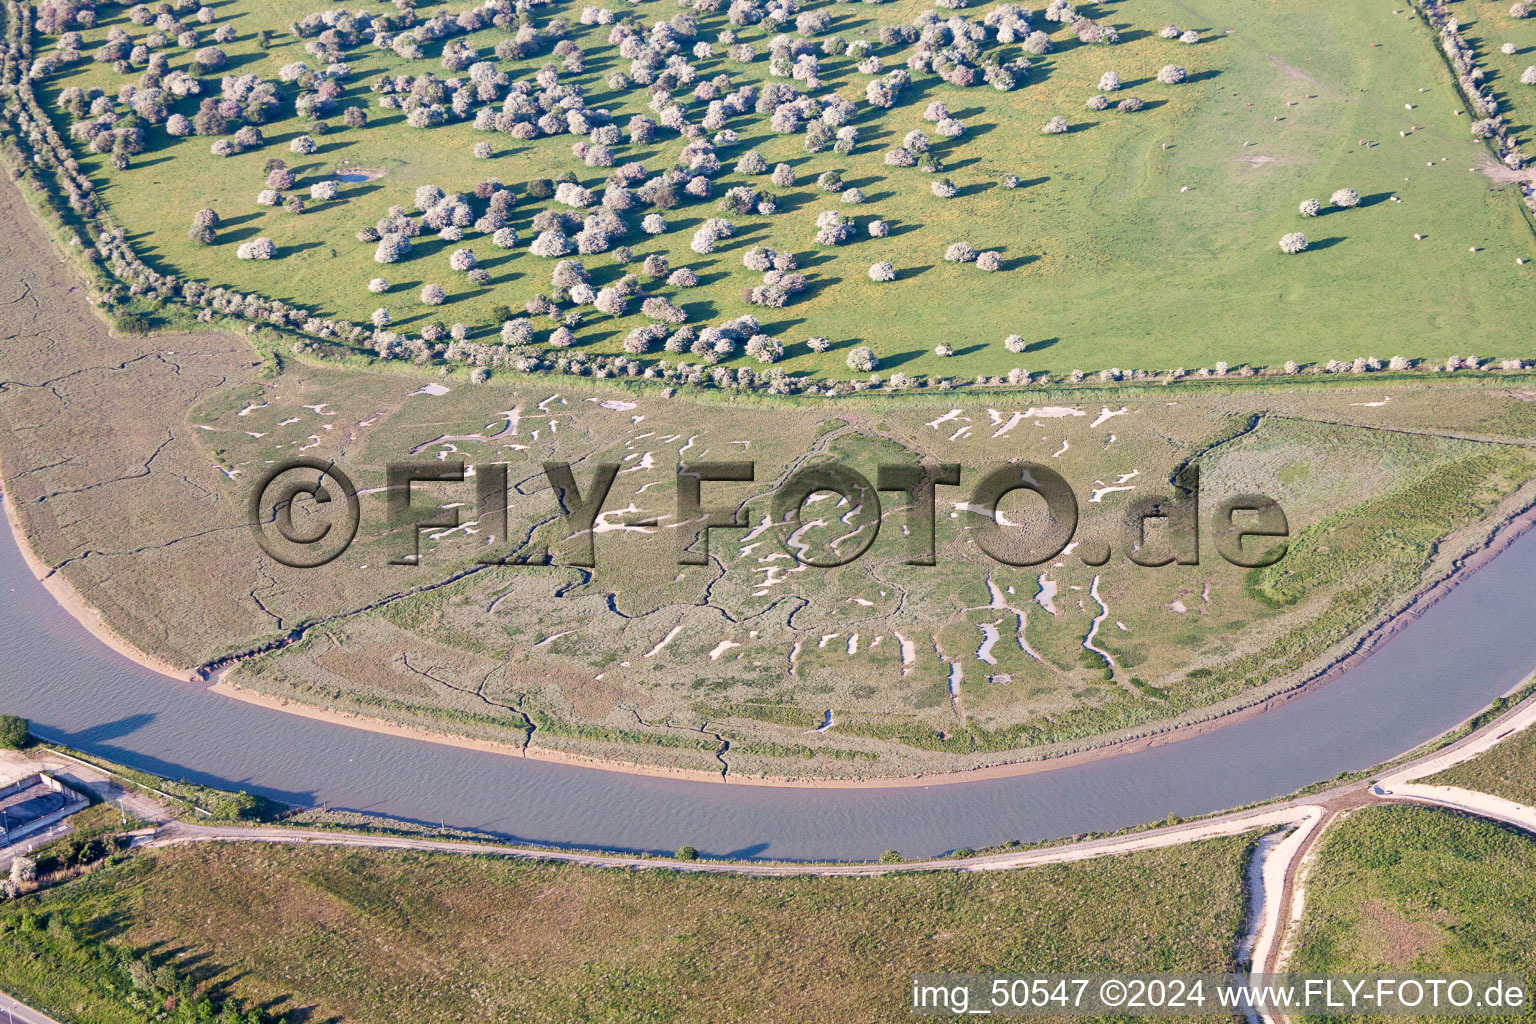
[303, 145]
[462, 260]
[1293, 243]
[256, 249]
[682, 277]
[432, 295]
[879, 229]
[783, 175]
[323, 191]
[882, 271]
[1109, 82]
[943, 188]
[482, 150]
[686, 853]
[392, 248]
[1130, 105]
[1055, 126]
[504, 238]
[1015, 344]
[1345, 198]
[15, 733]
[960, 252]
[989, 261]
[942, 349]
[1098, 102]
[1172, 74]
[378, 286]
[765, 348]
[1527, 77]
[1310, 207]
[862, 359]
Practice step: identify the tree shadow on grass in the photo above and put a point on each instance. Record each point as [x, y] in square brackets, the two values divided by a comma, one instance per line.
[1373, 199]
[901, 228]
[1041, 345]
[975, 189]
[794, 201]
[1018, 262]
[1325, 243]
[901, 358]
[238, 235]
[907, 273]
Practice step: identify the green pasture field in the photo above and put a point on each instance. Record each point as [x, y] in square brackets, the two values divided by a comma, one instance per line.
[1508, 770]
[1135, 240]
[376, 936]
[1418, 890]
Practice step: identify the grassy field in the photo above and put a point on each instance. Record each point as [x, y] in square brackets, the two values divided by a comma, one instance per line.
[1409, 889]
[1135, 240]
[1508, 770]
[385, 937]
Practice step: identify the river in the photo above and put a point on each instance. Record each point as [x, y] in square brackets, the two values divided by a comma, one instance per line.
[1475, 644]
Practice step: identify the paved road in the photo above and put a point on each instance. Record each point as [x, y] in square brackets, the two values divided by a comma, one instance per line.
[13, 1012]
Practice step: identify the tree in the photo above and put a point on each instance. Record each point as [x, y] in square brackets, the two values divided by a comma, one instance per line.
[392, 248]
[882, 271]
[1055, 126]
[1015, 344]
[989, 261]
[862, 359]
[1130, 105]
[15, 732]
[1310, 207]
[943, 188]
[1172, 74]
[1345, 198]
[686, 853]
[1528, 76]
[1109, 82]
[960, 252]
[256, 249]
[1293, 243]
[432, 295]
[1098, 102]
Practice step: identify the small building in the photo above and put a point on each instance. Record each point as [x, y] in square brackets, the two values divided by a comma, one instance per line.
[32, 803]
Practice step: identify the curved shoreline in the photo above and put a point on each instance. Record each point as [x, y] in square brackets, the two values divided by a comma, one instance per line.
[1154, 735]
[73, 602]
